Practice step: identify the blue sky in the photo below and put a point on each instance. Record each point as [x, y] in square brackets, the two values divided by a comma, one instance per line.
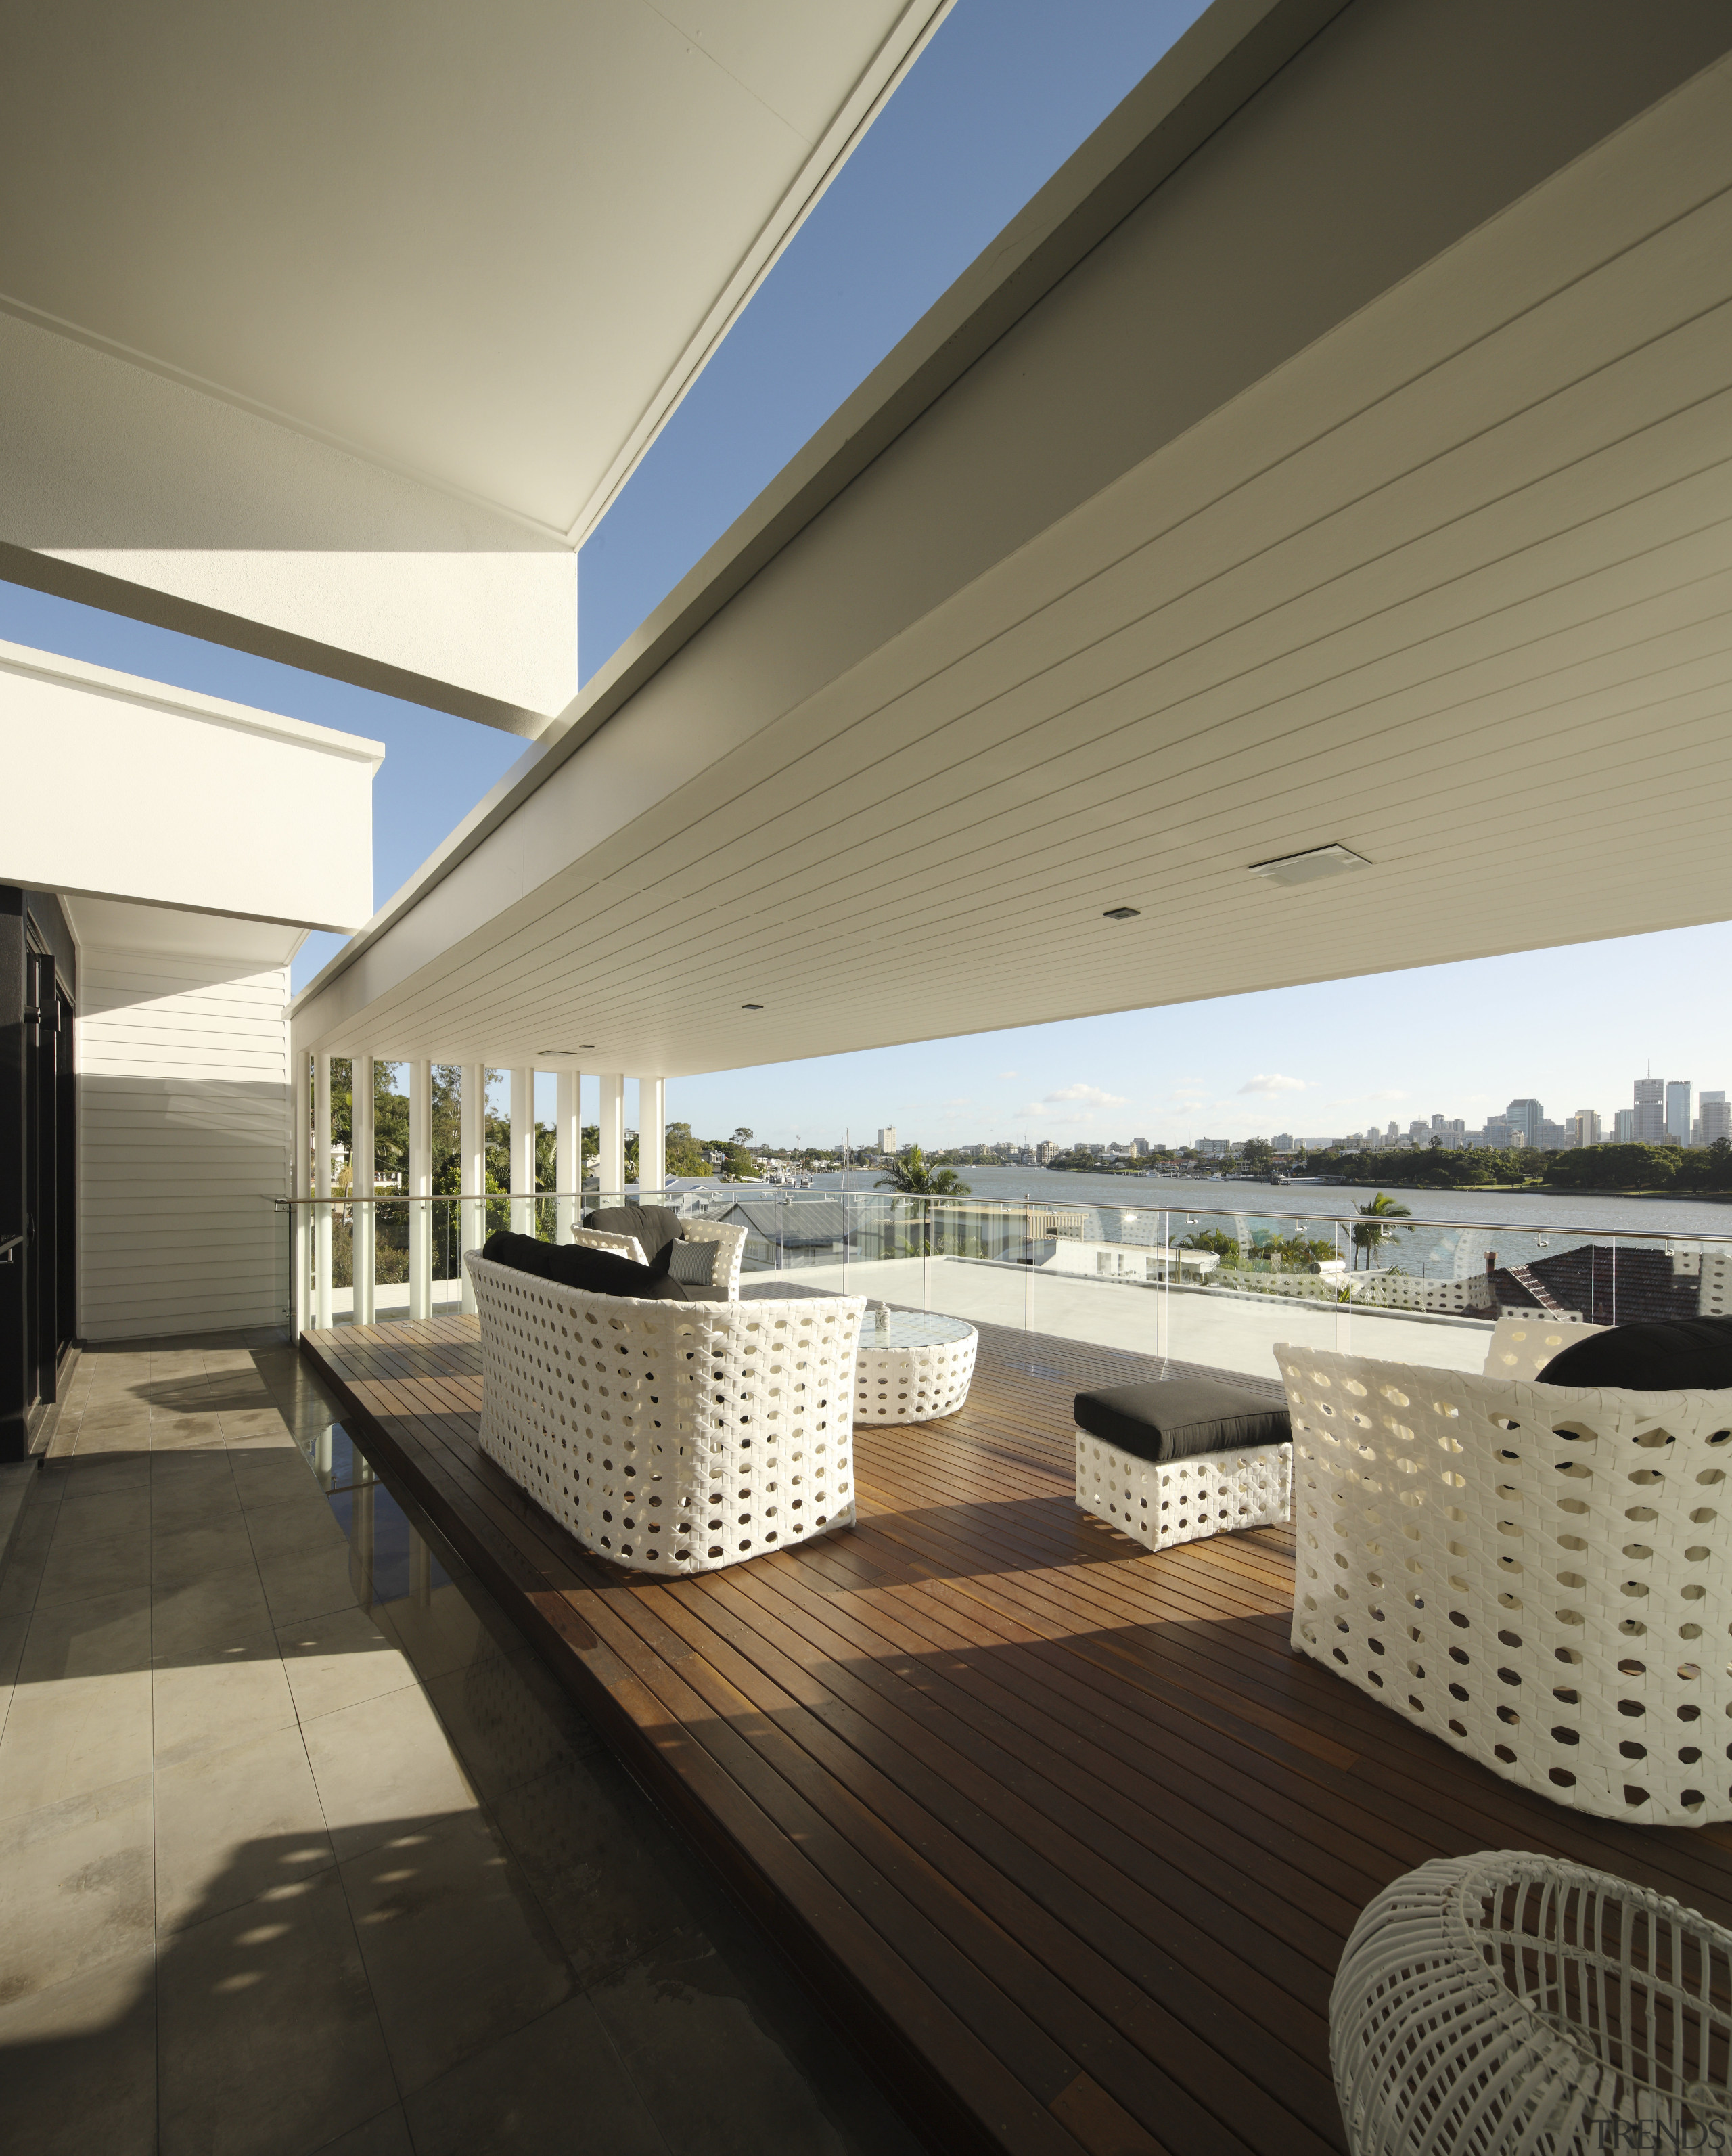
[1005, 92]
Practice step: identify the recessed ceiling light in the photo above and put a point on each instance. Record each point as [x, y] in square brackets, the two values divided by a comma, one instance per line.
[1122, 913]
[1308, 867]
[751, 1006]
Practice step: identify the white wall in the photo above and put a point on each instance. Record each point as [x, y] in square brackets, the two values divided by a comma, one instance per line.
[183, 1141]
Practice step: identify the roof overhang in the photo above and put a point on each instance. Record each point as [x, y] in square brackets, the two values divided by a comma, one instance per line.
[1361, 481]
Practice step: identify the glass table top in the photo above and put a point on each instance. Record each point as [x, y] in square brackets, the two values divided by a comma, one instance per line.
[910, 1328]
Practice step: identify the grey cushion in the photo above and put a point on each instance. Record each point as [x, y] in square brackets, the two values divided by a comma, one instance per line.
[1668, 1355]
[693, 1264]
[575, 1264]
[654, 1226]
[1178, 1418]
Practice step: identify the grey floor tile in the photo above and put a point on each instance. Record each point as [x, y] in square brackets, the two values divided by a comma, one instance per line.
[537, 2091]
[204, 1706]
[185, 1433]
[104, 1635]
[211, 1544]
[379, 1763]
[312, 1582]
[211, 1617]
[455, 1627]
[234, 1823]
[335, 1660]
[387, 2135]
[78, 2062]
[457, 1952]
[100, 1474]
[65, 1740]
[268, 2044]
[81, 1563]
[75, 1891]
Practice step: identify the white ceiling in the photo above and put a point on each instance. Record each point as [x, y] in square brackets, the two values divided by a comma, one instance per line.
[480, 245]
[1452, 588]
[112, 924]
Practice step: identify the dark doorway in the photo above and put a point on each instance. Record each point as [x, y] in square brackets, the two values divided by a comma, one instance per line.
[38, 1271]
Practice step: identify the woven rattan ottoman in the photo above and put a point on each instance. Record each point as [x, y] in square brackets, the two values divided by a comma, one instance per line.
[1171, 1462]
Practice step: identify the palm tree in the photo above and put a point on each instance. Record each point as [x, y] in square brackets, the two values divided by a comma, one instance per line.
[911, 1175]
[1368, 1232]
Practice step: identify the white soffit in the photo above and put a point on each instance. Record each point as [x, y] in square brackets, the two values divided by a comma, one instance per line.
[479, 247]
[167, 931]
[1451, 588]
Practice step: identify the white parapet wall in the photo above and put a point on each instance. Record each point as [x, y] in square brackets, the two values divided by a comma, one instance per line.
[181, 800]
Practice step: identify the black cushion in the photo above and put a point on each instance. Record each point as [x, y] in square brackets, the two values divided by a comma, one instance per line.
[692, 1263]
[654, 1226]
[1177, 1418]
[575, 1264]
[1666, 1355]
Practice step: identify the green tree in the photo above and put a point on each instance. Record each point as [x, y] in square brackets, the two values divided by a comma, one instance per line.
[1615, 1167]
[1225, 1247]
[1370, 1231]
[1257, 1153]
[684, 1154]
[911, 1175]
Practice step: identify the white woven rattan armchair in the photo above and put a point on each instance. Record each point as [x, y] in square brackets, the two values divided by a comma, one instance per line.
[1507, 2003]
[1538, 1574]
[672, 1437]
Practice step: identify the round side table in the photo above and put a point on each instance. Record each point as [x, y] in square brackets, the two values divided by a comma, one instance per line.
[912, 1366]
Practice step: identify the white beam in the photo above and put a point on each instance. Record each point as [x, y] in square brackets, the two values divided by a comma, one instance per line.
[568, 1154]
[523, 1152]
[420, 1189]
[472, 1168]
[610, 1166]
[652, 1134]
[362, 1175]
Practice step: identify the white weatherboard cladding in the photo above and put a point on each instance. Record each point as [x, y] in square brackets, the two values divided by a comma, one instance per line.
[182, 800]
[183, 1143]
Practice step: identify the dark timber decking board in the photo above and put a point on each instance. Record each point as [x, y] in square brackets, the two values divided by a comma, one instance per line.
[1064, 1833]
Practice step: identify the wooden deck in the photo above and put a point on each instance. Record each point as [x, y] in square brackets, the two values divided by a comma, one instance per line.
[1062, 1832]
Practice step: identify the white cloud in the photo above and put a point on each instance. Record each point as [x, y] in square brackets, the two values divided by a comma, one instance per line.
[1271, 1081]
[1092, 1094]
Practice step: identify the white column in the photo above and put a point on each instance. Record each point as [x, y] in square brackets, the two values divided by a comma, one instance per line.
[523, 1152]
[568, 1154]
[421, 1190]
[362, 1176]
[321, 1190]
[300, 1160]
[610, 1165]
[652, 1134]
[472, 1168]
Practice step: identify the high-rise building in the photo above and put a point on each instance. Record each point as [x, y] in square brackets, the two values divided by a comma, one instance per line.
[1454, 1131]
[1677, 1111]
[1139, 1147]
[1623, 1126]
[1648, 1126]
[1587, 1126]
[1526, 1116]
[1500, 1133]
[887, 1139]
[1283, 1141]
[1419, 1130]
[1437, 1124]
[1046, 1151]
[1716, 1117]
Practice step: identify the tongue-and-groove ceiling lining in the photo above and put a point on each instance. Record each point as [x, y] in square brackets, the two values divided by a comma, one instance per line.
[1451, 588]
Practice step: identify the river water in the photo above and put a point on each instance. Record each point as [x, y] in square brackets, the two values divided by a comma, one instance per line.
[1452, 1235]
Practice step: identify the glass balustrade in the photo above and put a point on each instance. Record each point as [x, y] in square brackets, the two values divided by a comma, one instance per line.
[1208, 1288]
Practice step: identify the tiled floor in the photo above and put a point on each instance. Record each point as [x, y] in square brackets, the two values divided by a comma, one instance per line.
[303, 1849]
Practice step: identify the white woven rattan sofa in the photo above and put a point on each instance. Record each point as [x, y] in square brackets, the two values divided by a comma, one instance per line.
[1538, 1574]
[730, 1241]
[671, 1437]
